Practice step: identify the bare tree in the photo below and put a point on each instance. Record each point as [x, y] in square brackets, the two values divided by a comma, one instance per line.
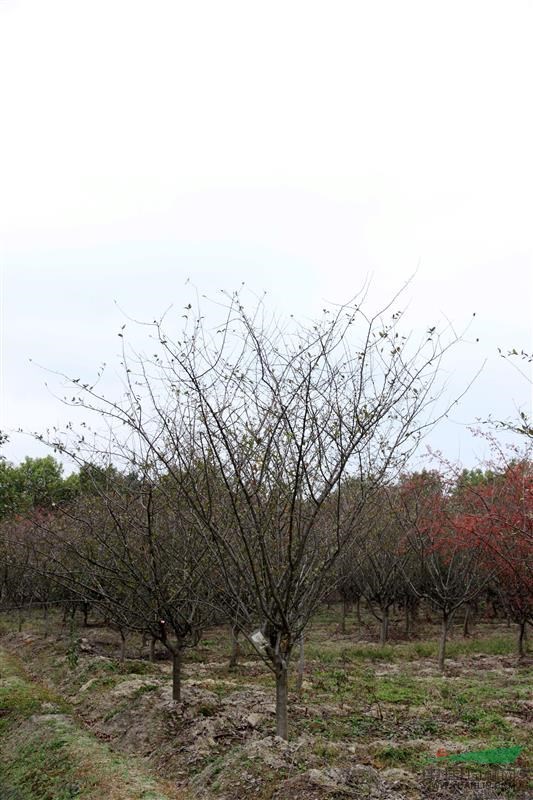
[379, 562]
[256, 424]
[129, 551]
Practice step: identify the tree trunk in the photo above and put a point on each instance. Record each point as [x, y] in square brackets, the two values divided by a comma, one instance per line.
[384, 632]
[20, 620]
[343, 617]
[466, 623]
[443, 638]
[282, 727]
[46, 620]
[235, 649]
[122, 645]
[176, 675]
[521, 639]
[85, 608]
[358, 612]
[152, 649]
[408, 620]
[301, 667]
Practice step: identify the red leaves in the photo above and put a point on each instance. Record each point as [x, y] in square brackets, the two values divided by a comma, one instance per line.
[487, 514]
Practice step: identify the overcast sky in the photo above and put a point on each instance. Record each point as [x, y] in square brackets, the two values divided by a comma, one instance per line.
[301, 147]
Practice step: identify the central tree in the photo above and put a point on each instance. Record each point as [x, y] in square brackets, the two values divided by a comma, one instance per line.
[257, 425]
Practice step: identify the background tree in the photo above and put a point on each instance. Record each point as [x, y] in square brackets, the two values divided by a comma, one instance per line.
[129, 550]
[380, 562]
[449, 573]
[34, 484]
[500, 520]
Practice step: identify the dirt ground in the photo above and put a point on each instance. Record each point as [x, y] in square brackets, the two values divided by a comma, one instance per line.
[366, 724]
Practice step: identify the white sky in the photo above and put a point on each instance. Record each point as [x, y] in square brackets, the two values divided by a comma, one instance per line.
[297, 146]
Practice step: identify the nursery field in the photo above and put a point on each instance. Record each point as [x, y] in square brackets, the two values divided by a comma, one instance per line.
[368, 722]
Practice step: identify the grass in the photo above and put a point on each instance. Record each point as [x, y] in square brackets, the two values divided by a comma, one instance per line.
[51, 759]
[20, 697]
[339, 651]
[39, 767]
[46, 756]
[398, 756]
[402, 690]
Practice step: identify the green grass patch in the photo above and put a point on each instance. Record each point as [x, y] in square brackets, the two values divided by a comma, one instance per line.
[39, 767]
[19, 696]
[398, 756]
[51, 759]
[45, 756]
[489, 646]
[334, 650]
[401, 689]
[485, 723]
